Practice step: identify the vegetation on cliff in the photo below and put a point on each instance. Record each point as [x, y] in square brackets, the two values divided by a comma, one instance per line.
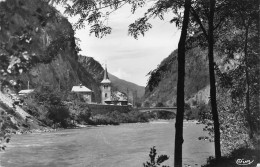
[161, 86]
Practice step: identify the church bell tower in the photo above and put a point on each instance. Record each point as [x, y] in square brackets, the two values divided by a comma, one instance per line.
[105, 88]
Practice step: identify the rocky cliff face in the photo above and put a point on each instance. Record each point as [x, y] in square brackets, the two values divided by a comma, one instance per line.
[162, 85]
[38, 45]
[93, 67]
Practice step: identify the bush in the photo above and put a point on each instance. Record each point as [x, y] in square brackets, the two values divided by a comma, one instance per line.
[199, 113]
[159, 104]
[165, 115]
[116, 117]
[80, 111]
[234, 156]
[83, 117]
[59, 114]
[155, 162]
[103, 120]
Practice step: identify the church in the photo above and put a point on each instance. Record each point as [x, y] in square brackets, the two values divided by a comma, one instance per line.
[111, 97]
[108, 97]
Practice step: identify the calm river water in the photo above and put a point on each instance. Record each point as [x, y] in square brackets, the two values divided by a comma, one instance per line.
[126, 145]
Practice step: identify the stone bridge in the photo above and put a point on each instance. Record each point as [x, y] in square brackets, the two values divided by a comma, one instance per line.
[151, 109]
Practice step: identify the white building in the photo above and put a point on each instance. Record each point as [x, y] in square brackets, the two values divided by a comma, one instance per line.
[84, 92]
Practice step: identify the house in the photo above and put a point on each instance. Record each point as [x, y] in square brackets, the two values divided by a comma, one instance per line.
[84, 92]
[25, 92]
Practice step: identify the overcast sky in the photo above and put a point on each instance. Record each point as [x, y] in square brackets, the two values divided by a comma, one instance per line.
[126, 57]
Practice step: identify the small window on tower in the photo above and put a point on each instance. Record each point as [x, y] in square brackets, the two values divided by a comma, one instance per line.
[105, 94]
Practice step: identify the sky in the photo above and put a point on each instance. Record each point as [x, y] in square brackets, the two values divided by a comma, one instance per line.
[126, 57]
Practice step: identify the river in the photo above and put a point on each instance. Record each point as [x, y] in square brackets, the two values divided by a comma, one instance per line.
[126, 145]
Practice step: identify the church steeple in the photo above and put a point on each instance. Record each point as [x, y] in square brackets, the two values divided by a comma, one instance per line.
[105, 88]
[105, 73]
[106, 78]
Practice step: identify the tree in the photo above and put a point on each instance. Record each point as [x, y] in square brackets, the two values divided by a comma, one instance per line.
[203, 16]
[216, 28]
[180, 87]
[240, 44]
[247, 17]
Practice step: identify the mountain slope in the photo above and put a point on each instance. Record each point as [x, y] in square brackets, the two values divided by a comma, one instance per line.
[162, 84]
[123, 85]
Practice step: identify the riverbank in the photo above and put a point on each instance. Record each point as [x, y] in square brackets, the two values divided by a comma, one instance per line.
[78, 126]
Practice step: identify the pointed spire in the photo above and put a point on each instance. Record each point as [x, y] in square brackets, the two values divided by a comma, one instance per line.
[106, 78]
[105, 73]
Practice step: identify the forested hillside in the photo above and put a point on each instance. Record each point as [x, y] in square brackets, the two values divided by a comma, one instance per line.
[162, 83]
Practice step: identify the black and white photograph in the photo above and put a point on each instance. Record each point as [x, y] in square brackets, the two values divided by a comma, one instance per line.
[129, 83]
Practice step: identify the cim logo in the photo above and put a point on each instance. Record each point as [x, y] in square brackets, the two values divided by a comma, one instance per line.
[245, 162]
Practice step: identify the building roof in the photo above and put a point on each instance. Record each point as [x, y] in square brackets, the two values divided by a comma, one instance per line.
[26, 91]
[106, 78]
[105, 81]
[80, 88]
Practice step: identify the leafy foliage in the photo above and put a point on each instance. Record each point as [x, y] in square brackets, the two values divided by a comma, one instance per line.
[5, 135]
[96, 13]
[161, 85]
[116, 118]
[79, 110]
[155, 161]
[46, 104]
[234, 156]
[232, 123]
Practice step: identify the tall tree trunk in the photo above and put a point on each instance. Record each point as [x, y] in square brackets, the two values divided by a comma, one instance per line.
[248, 116]
[212, 80]
[180, 87]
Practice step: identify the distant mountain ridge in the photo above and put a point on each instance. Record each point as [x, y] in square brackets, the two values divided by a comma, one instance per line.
[123, 85]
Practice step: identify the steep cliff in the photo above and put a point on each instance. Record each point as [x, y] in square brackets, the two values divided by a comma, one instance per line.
[162, 84]
[38, 45]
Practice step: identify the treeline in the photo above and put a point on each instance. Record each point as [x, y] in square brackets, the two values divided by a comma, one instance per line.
[65, 109]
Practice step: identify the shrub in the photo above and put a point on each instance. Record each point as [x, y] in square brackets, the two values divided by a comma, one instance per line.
[116, 117]
[155, 162]
[165, 115]
[59, 114]
[159, 104]
[83, 116]
[103, 120]
[5, 123]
